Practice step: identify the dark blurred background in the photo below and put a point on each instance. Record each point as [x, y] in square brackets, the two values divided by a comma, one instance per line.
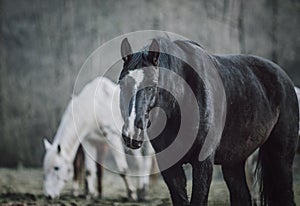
[44, 43]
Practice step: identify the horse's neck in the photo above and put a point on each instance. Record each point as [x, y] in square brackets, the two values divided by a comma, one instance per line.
[80, 111]
[68, 136]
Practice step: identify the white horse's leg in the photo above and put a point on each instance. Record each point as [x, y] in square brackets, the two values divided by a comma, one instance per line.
[75, 188]
[102, 149]
[251, 176]
[121, 162]
[144, 165]
[79, 168]
[91, 168]
[143, 177]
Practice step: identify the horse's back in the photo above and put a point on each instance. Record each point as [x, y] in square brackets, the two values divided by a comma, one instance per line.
[95, 104]
[259, 96]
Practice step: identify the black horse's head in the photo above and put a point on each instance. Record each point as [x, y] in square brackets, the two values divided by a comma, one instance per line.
[138, 84]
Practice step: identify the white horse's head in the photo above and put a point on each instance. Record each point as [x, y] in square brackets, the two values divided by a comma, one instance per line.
[57, 169]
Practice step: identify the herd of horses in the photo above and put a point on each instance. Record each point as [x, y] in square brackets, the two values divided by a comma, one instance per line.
[262, 114]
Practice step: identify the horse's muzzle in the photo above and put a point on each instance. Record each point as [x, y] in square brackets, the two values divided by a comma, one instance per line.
[132, 143]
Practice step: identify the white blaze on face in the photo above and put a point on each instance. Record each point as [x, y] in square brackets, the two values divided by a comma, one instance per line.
[138, 76]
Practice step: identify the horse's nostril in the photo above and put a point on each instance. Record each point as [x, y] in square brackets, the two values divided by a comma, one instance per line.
[148, 124]
[139, 123]
[49, 197]
[125, 138]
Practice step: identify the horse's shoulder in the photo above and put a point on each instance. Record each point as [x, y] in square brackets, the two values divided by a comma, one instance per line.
[100, 84]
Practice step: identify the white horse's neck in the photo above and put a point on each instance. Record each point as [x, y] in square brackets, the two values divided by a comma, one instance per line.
[68, 135]
[94, 101]
[86, 111]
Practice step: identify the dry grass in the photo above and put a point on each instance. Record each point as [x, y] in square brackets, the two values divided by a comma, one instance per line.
[24, 187]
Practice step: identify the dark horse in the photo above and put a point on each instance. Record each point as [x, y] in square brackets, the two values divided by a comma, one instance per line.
[262, 112]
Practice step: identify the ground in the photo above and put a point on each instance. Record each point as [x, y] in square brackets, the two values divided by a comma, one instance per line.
[24, 187]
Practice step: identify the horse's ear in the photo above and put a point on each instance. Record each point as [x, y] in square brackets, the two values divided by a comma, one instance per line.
[58, 149]
[126, 51]
[154, 52]
[47, 144]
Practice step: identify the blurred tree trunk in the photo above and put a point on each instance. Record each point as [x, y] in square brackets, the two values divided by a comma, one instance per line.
[241, 28]
[274, 32]
[5, 141]
[225, 9]
[1, 70]
[2, 75]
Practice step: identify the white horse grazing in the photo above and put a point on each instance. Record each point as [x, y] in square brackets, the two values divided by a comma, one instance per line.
[88, 120]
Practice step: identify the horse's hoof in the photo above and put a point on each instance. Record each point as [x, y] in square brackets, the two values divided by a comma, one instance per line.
[75, 193]
[88, 197]
[132, 196]
[142, 195]
[91, 196]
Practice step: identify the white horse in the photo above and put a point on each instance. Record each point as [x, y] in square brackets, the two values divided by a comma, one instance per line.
[88, 120]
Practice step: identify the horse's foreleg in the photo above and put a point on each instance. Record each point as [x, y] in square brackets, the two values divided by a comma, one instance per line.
[78, 165]
[91, 169]
[101, 153]
[141, 179]
[75, 188]
[142, 191]
[175, 179]
[129, 187]
[234, 176]
[120, 158]
[144, 165]
[202, 176]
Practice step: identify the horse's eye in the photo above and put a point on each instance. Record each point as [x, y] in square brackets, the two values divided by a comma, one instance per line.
[56, 168]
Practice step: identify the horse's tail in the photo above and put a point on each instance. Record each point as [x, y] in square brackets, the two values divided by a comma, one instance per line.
[262, 177]
[274, 174]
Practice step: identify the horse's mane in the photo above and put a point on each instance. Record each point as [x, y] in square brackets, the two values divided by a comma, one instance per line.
[166, 46]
